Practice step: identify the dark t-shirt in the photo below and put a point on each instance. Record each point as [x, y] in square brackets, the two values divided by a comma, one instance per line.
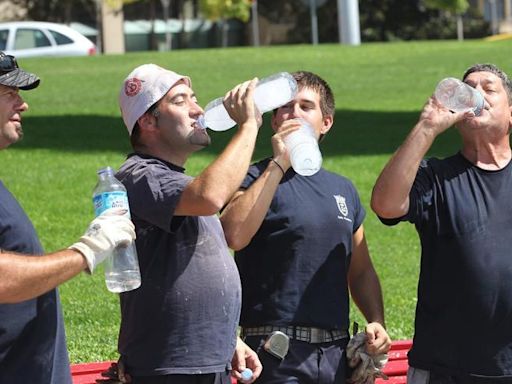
[294, 270]
[32, 338]
[463, 215]
[183, 318]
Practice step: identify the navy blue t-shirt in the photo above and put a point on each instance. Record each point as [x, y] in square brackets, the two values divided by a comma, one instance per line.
[32, 338]
[294, 270]
[463, 215]
[184, 316]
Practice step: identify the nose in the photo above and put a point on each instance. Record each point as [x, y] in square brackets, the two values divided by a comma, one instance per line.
[21, 105]
[196, 109]
[290, 112]
[295, 111]
[480, 89]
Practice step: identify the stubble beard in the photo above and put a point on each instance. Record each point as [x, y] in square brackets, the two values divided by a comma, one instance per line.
[12, 136]
[19, 131]
[199, 137]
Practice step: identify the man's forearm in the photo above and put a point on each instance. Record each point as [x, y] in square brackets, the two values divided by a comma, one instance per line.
[390, 196]
[25, 277]
[367, 295]
[244, 214]
[212, 188]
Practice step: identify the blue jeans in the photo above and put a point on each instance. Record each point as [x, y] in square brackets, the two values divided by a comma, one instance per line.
[305, 363]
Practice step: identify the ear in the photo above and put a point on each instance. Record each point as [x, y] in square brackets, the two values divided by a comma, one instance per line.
[147, 121]
[327, 121]
[273, 123]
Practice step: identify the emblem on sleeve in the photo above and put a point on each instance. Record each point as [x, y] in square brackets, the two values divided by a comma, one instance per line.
[341, 203]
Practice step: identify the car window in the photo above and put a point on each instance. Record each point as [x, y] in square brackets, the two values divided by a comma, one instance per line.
[4, 33]
[60, 38]
[30, 38]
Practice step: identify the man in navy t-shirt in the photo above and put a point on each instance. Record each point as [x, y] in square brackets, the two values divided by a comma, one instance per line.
[300, 247]
[32, 339]
[180, 326]
[461, 207]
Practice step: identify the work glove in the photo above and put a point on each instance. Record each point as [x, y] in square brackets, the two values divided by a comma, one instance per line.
[366, 367]
[111, 229]
[115, 374]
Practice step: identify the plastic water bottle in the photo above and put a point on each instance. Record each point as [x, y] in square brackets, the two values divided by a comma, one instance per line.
[122, 266]
[271, 92]
[458, 96]
[246, 375]
[302, 145]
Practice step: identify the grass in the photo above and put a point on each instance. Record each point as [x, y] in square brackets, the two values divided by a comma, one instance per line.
[73, 128]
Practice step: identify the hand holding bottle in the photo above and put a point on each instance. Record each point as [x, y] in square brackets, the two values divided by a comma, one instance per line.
[239, 103]
[302, 145]
[121, 266]
[270, 93]
[108, 231]
[458, 96]
[280, 152]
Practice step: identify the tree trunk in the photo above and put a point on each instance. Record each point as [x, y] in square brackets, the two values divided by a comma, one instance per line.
[224, 29]
[168, 38]
[99, 27]
[460, 28]
[153, 44]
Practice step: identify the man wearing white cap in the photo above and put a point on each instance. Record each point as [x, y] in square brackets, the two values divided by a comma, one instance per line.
[32, 337]
[180, 325]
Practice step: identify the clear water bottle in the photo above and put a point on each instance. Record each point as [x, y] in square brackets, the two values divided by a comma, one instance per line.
[458, 96]
[271, 92]
[302, 145]
[122, 266]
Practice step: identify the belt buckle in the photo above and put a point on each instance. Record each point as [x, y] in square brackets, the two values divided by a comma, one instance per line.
[277, 344]
[317, 335]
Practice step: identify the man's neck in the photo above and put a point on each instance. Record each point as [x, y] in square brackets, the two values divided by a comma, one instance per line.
[488, 156]
[175, 158]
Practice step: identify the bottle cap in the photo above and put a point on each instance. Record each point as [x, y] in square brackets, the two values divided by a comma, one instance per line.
[246, 374]
[107, 170]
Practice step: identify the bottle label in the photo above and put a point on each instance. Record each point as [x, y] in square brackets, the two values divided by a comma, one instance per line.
[106, 200]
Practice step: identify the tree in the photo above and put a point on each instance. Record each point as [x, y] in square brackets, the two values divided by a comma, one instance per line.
[221, 10]
[226, 9]
[457, 7]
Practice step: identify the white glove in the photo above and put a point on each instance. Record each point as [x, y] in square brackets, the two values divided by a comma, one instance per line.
[109, 230]
[367, 367]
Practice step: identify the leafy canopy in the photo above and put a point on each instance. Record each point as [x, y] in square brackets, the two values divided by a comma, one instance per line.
[454, 6]
[226, 9]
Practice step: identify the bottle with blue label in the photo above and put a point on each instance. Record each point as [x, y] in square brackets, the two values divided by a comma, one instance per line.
[122, 266]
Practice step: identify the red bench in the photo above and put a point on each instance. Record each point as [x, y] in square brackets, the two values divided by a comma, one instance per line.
[397, 365]
[396, 368]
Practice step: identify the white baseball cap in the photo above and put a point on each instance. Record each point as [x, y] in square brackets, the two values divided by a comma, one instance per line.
[142, 88]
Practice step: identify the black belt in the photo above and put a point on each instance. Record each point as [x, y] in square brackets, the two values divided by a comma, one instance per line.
[308, 334]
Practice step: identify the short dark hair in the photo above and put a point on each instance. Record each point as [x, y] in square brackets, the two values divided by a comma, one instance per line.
[135, 137]
[507, 84]
[310, 80]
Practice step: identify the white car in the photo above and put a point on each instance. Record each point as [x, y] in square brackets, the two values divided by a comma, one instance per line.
[37, 38]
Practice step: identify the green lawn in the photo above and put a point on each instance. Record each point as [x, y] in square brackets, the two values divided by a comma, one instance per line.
[73, 128]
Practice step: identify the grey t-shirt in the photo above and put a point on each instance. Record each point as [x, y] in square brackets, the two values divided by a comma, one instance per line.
[183, 318]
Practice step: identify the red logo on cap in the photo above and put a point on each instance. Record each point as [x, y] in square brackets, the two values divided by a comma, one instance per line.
[132, 86]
